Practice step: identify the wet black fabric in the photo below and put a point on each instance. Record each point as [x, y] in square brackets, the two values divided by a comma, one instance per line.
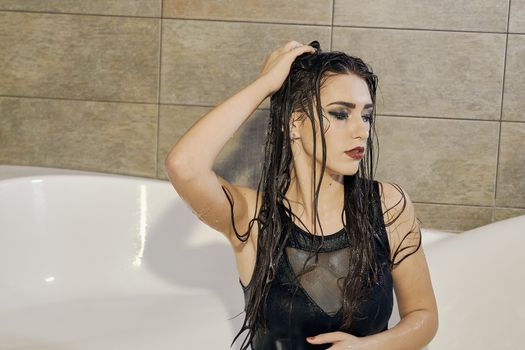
[300, 307]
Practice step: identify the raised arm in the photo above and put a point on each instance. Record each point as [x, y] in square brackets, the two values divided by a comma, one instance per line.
[189, 164]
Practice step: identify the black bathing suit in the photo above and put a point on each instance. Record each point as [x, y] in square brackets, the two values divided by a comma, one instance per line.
[316, 306]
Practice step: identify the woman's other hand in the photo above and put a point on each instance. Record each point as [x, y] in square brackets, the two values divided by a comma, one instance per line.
[277, 65]
[343, 341]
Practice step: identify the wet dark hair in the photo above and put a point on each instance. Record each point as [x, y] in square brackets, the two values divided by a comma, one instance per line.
[308, 73]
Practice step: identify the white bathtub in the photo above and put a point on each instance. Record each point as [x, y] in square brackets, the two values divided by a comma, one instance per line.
[99, 261]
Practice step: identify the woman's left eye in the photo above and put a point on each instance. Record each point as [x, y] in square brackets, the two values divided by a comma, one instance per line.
[369, 117]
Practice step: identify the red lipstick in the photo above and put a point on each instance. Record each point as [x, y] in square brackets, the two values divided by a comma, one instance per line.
[356, 153]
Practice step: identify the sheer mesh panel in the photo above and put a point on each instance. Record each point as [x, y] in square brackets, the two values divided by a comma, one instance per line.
[321, 283]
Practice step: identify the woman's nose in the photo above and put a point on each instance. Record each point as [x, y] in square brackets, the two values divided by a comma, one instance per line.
[361, 128]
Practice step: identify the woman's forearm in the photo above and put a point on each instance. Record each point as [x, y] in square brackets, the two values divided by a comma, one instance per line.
[198, 148]
[413, 332]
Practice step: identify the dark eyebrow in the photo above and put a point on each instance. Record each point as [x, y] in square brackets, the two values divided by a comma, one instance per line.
[349, 104]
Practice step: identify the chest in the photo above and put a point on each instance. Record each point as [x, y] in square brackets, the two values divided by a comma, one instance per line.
[311, 303]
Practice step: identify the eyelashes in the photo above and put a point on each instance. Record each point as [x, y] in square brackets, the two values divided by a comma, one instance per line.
[343, 115]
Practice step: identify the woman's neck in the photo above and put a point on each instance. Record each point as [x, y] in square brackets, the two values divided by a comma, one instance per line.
[329, 204]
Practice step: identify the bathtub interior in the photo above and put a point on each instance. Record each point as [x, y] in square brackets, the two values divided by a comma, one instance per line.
[478, 279]
[101, 261]
[105, 262]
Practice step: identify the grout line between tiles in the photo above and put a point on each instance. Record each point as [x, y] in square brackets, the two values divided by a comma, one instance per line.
[422, 29]
[501, 116]
[79, 14]
[517, 208]
[260, 109]
[265, 22]
[467, 205]
[159, 76]
[76, 99]
[338, 25]
[435, 118]
[332, 27]
[452, 204]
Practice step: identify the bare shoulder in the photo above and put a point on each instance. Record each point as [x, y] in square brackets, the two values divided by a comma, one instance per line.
[395, 200]
[401, 222]
[392, 194]
[410, 274]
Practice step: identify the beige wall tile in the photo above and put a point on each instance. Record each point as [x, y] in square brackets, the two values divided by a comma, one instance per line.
[291, 11]
[517, 16]
[514, 101]
[439, 160]
[241, 159]
[511, 168]
[426, 73]
[482, 15]
[205, 62]
[146, 8]
[95, 136]
[452, 218]
[507, 213]
[82, 57]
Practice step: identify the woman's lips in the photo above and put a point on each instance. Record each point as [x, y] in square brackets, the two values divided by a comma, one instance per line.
[356, 154]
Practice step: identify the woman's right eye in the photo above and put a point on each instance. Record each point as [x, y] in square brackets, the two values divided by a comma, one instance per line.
[339, 115]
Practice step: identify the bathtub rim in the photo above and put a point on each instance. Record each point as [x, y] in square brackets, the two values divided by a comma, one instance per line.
[30, 172]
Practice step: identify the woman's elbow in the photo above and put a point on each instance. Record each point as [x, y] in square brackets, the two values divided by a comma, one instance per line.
[432, 321]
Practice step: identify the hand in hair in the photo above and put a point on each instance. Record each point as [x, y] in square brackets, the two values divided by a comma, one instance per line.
[277, 65]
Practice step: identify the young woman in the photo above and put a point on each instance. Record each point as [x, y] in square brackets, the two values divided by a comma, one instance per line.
[331, 243]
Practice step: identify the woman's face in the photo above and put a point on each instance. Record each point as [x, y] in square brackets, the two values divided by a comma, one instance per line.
[347, 105]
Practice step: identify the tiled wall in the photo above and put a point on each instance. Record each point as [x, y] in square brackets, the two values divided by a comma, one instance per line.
[110, 86]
